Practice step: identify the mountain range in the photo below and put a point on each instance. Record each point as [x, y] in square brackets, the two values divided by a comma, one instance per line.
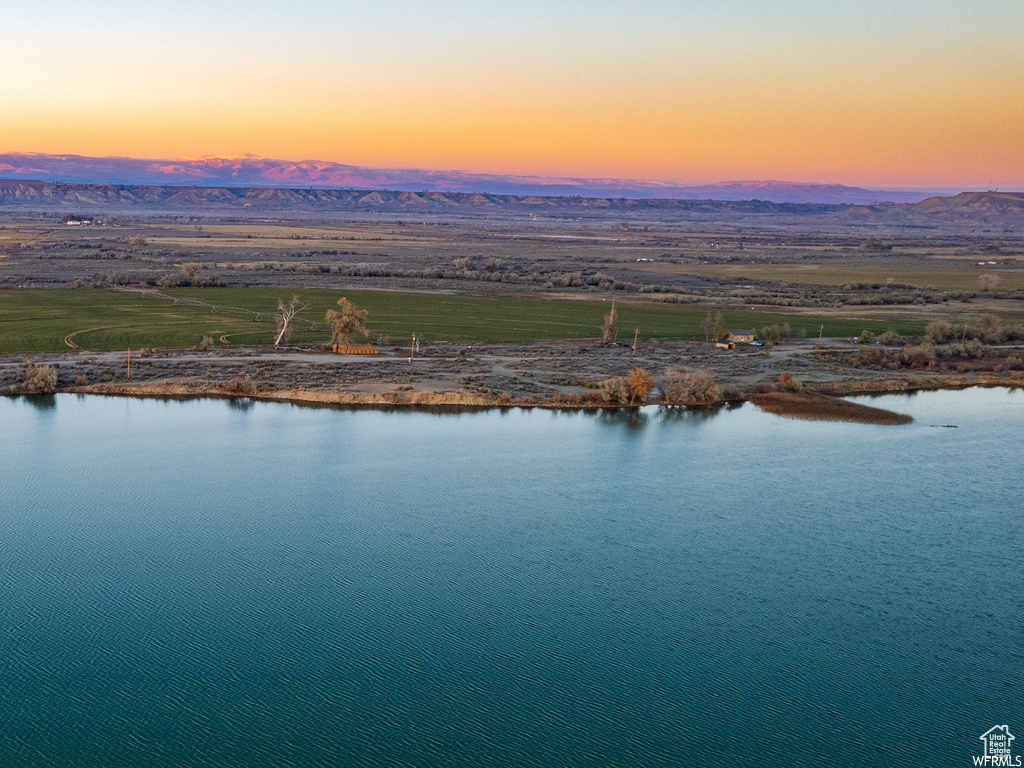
[959, 213]
[253, 171]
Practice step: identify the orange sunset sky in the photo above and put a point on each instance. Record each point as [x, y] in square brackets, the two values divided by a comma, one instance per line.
[897, 93]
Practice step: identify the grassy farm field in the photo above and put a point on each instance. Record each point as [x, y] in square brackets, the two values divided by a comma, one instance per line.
[62, 319]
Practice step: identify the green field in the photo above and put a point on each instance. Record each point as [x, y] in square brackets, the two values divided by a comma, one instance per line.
[41, 320]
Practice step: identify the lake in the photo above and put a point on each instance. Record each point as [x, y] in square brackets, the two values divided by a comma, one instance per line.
[217, 583]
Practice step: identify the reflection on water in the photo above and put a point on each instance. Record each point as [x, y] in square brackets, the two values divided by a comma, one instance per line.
[677, 414]
[633, 419]
[41, 402]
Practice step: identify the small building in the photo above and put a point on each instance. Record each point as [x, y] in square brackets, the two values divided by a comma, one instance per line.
[741, 337]
[725, 344]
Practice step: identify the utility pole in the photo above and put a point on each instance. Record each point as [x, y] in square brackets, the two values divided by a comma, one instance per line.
[635, 334]
[821, 331]
[412, 348]
[129, 364]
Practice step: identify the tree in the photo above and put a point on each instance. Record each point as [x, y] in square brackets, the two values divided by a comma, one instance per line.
[640, 384]
[345, 324]
[285, 313]
[713, 326]
[611, 321]
[192, 271]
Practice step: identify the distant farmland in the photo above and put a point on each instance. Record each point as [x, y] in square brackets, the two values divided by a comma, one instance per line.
[47, 320]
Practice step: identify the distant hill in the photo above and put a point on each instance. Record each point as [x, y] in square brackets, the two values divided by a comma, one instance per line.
[975, 202]
[57, 196]
[252, 171]
[968, 212]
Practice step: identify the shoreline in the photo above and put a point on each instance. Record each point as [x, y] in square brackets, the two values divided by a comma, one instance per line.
[559, 375]
[454, 401]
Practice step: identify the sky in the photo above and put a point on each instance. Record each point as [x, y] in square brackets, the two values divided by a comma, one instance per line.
[894, 93]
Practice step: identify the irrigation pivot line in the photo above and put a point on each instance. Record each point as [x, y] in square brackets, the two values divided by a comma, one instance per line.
[256, 316]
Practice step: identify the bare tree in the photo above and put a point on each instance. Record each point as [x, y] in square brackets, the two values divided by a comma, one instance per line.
[611, 321]
[285, 313]
[713, 326]
[345, 324]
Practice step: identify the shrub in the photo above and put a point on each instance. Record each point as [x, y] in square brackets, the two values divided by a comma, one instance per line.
[919, 357]
[789, 384]
[171, 281]
[939, 331]
[191, 272]
[890, 338]
[972, 348]
[733, 392]
[614, 390]
[207, 343]
[40, 379]
[240, 385]
[682, 387]
[871, 357]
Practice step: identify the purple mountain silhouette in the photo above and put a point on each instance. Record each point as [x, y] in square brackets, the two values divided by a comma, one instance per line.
[250, 170]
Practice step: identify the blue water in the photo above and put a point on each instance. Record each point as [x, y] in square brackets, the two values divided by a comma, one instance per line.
[208, 583]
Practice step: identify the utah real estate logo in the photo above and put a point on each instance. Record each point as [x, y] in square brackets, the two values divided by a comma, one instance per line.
[997, 748]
